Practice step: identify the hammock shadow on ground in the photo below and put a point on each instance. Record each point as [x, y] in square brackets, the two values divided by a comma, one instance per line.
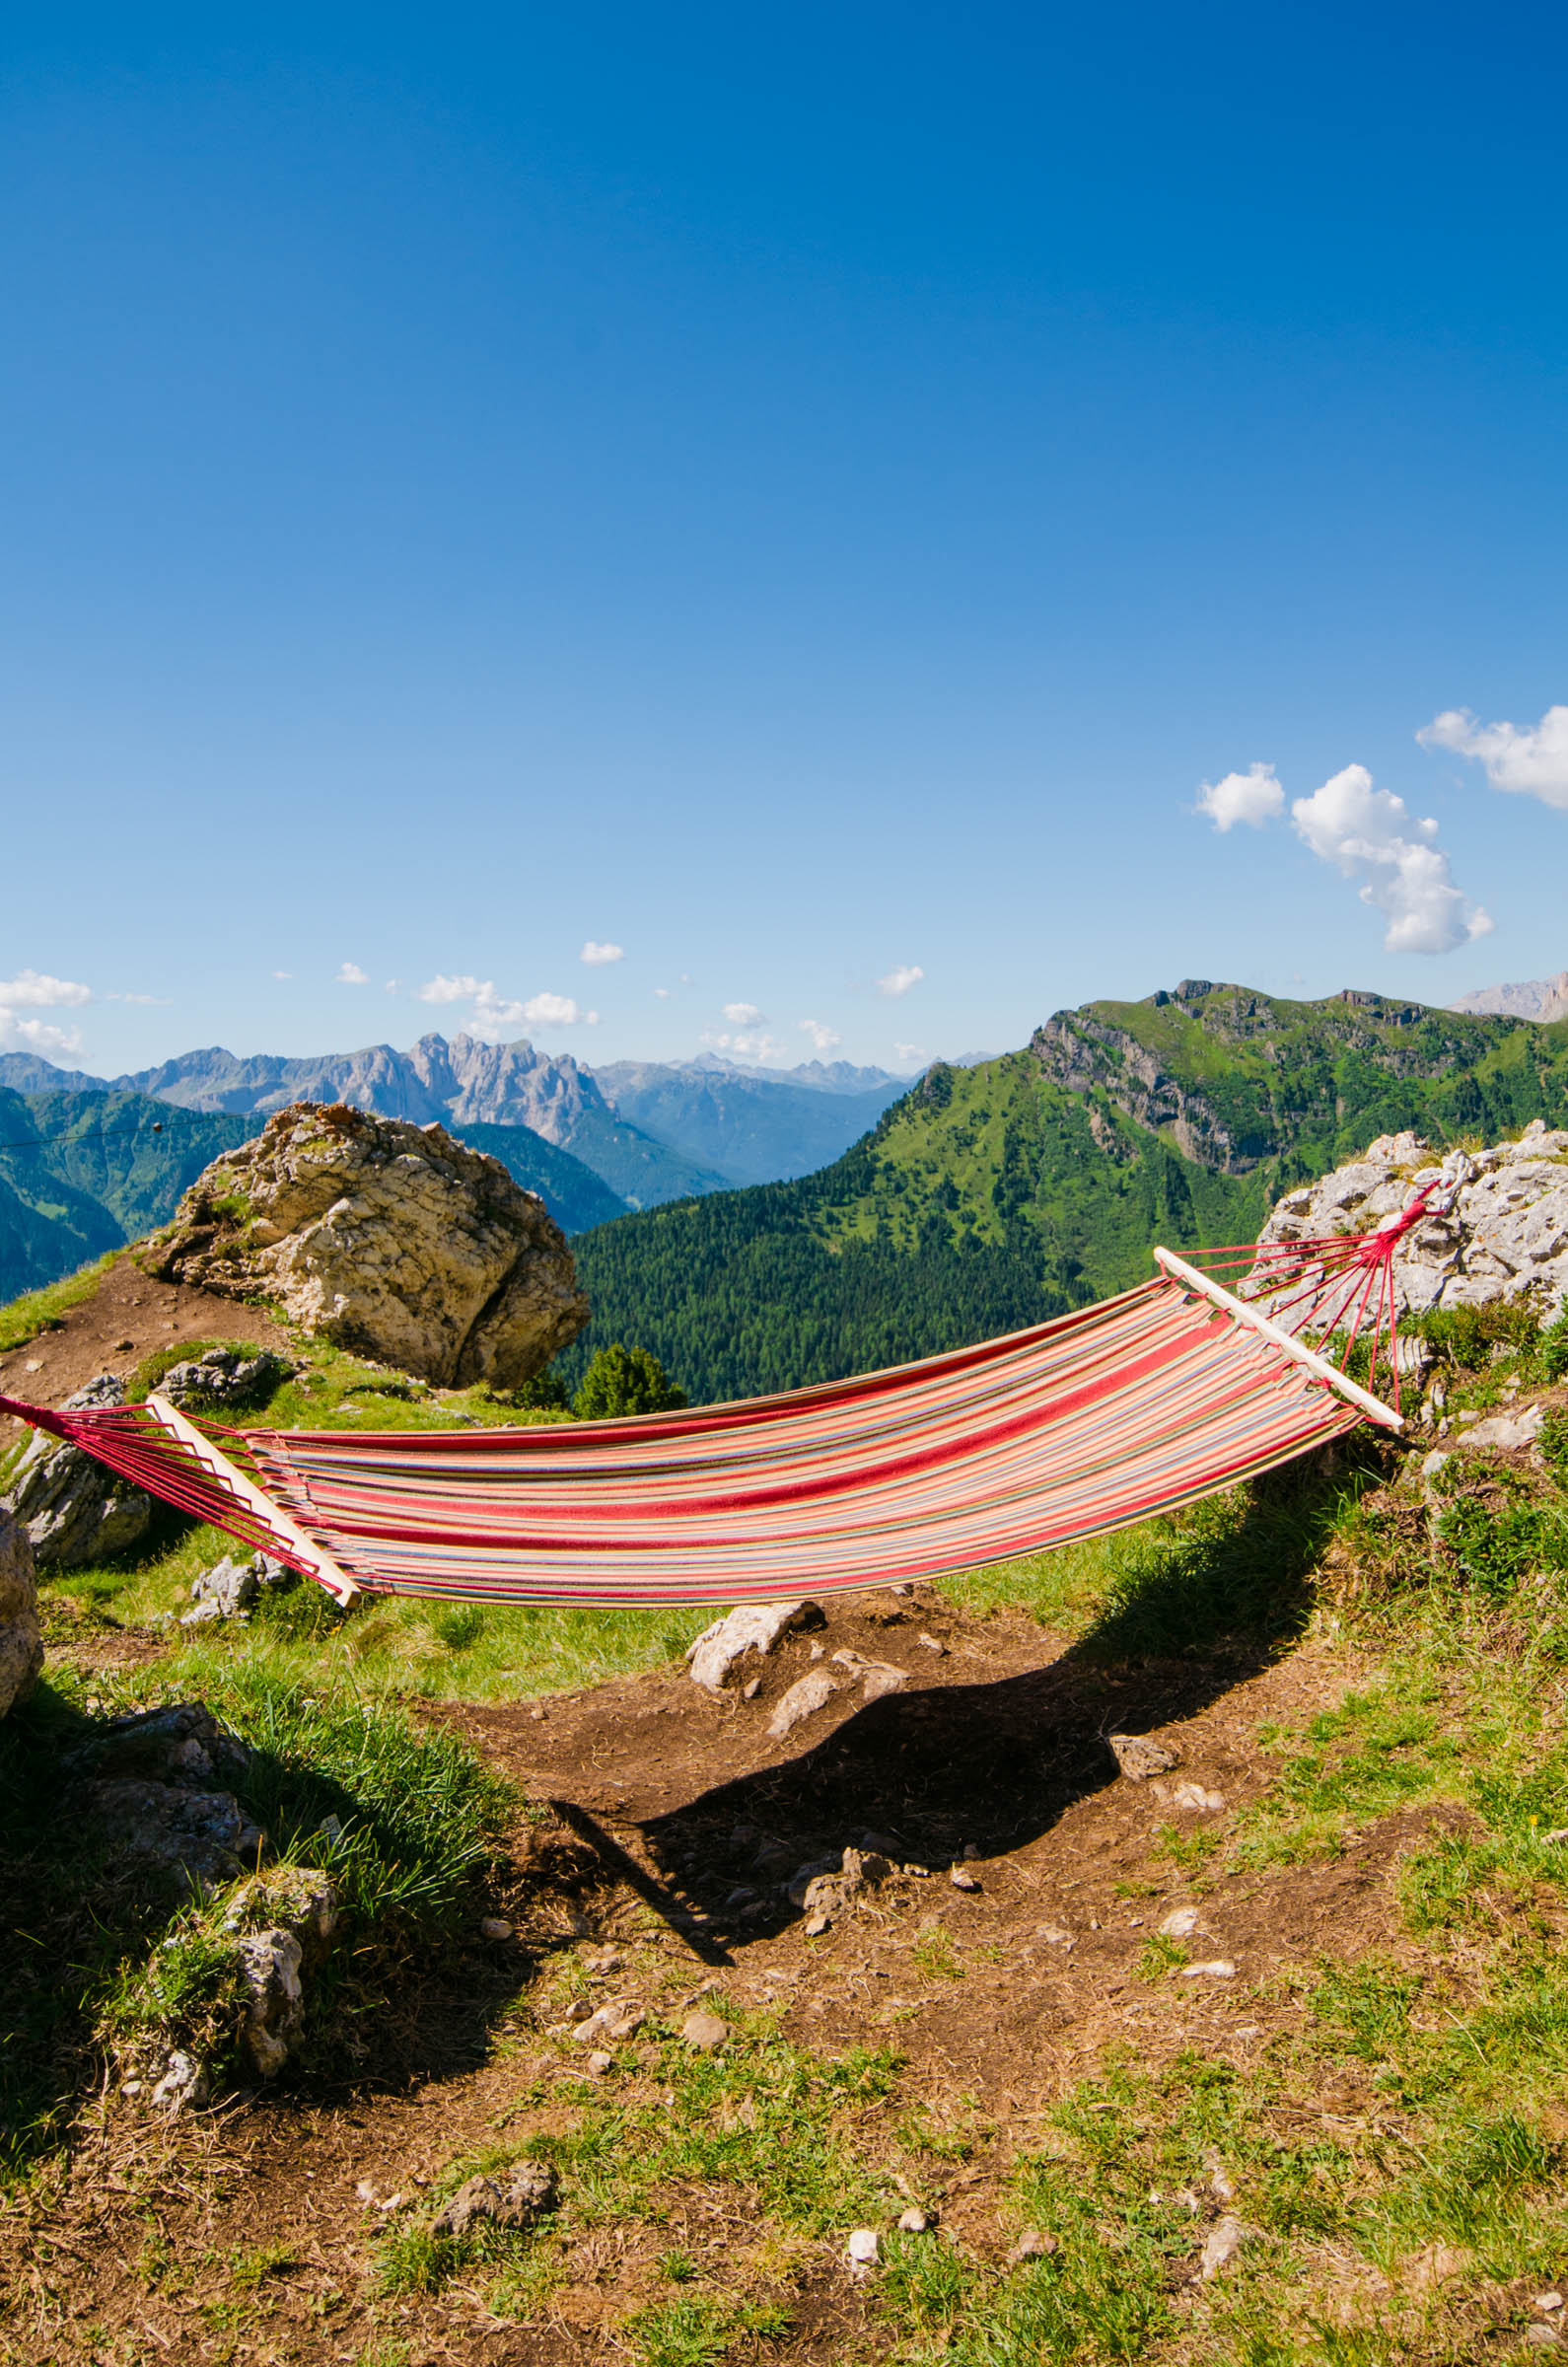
[996, 1764]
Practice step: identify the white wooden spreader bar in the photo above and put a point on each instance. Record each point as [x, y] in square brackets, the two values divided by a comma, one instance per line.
[1372, 1407]
[323, 1568]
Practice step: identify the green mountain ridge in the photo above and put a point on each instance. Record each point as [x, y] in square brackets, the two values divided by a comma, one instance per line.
[992, 1196]
[81, 1172]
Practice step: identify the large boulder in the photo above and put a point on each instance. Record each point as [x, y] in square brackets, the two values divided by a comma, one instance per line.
[74, 1509]
[20, 1641]
[1503, 1233]
[388, 1238]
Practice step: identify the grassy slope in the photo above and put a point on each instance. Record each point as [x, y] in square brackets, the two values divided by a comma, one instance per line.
[1398, 2149]
[992, 1196]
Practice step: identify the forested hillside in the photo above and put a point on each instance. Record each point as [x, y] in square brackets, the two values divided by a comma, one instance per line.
[81, 1173]
[989, 1198]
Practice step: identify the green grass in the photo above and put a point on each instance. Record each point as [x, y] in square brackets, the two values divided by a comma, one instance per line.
[695, 2330]
[22, 1318]
[97, 1958]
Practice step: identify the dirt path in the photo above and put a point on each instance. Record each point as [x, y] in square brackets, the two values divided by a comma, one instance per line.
[676, 1816]
[128, 1317]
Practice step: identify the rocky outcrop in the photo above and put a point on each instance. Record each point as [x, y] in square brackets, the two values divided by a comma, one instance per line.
[154, 1784]
[1086, 1054]
[74, 1510]
[226, 1377]
[286, 1920]
[228, 1590]
[1503, 1234]
[21, 1640]
[388, 1238]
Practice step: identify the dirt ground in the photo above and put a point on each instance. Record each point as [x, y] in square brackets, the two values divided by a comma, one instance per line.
[127, 1318]
[673, 1817]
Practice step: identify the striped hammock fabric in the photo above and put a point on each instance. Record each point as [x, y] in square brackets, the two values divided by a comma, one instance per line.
[1083, 1424]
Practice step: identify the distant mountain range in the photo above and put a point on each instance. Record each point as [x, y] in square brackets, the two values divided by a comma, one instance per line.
[1542, 999]
[81, 1172]
[650, 1131]
[994, 1195]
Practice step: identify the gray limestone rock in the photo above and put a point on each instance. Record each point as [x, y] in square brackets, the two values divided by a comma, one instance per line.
[232, 1586]
[202, 1839]
[21, 1639]
[226, 1377]
[1503, 1233]
[286, 1920]
[754, 1627]
[183, 2086]
[156, 1782]
[270, 1972]
[388, 1238]
[74, 1509]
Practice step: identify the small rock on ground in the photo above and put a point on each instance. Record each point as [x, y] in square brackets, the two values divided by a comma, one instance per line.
[622, 2018]
[1032, 2245]
[704, 2030]
[513, 2200]
[863, 2248]
[1225, 2240]
[754, 1627]
[1139, 1757]
[183, 2086]
[806, 1696]
[1195, 1798]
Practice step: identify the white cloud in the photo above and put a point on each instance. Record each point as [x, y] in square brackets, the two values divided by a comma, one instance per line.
[750, 1045]
[496, 1015]
[37, 988]
[662, 993]
[595, 955]
[908, 1055]
[350, 974]
[35, 1034]
[557, 1010]
[393, 986]
[1369, 835]
[900, 981]
[825, 1040]
[148, 1002]
[1253, 797]
[1530, 757]
[283, 974]
[745, 1015]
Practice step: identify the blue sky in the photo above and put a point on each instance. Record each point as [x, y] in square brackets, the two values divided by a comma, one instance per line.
[800, 500]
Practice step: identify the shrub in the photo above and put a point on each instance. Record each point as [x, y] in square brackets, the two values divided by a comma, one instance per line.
[624, 1379]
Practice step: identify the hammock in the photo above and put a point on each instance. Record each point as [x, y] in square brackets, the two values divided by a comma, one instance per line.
[1087, 1424]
